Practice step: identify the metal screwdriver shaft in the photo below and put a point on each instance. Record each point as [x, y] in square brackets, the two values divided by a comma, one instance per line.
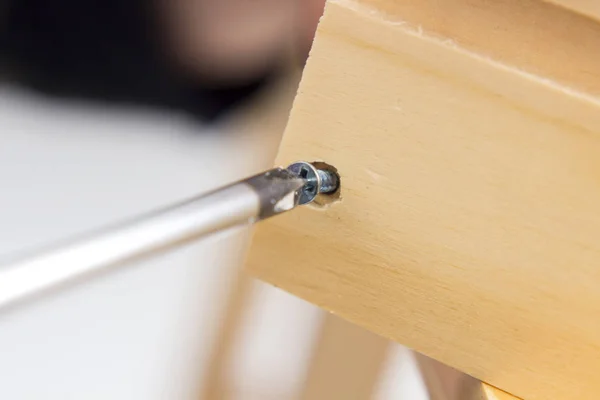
[262, 196]
[259, 197]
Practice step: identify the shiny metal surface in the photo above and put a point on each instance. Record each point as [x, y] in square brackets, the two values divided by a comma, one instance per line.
[329, 181]
[240, 203]
[317, 180]
[279, 190]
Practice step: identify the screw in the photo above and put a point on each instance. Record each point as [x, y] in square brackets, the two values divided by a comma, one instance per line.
[317, 181]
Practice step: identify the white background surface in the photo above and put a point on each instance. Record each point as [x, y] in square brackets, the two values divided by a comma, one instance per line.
[144, 331]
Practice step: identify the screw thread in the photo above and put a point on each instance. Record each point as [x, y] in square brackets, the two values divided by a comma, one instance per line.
[329, 181]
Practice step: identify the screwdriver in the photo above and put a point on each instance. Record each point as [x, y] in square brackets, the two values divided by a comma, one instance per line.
[259, 197]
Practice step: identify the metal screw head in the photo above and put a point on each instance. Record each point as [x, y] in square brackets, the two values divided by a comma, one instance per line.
[309, 173]
[317, 181]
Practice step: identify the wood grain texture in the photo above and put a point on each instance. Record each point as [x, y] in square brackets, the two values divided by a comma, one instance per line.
[532, 35]
[469, 221]
[590, 8]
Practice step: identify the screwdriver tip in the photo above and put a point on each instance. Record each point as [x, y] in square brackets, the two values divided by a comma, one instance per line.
[278, 189]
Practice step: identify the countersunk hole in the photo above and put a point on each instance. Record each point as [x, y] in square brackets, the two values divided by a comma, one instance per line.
[325, 199]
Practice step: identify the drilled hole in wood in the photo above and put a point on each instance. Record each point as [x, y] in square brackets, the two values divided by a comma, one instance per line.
[325, 199]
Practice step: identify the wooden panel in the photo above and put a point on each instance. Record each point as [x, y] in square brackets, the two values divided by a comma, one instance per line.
[531, 35]
[590, 8]
[491, 393]
[468, 226]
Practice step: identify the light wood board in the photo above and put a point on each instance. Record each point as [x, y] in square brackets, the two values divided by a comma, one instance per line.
[491, 393]
[469, 225]
[534, 36]
[590, 8]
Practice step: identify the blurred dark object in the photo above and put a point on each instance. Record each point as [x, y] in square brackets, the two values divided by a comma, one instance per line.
[107, 50]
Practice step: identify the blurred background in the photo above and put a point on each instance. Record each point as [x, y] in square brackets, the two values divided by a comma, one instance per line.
[111, 108]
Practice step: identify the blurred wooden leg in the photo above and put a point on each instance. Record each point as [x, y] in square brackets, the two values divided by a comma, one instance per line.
[268, 114]
[347, 362]
[446, 383]
[216, 386]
